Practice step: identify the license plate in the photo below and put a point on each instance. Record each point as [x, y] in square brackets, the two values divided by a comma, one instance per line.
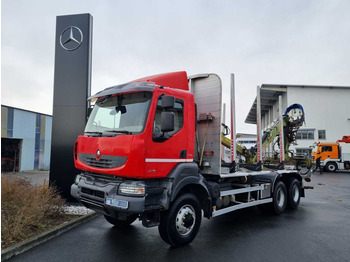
[117, 203]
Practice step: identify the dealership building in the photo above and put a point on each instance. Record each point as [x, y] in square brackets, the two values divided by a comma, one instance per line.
[25, 140]
[327, 112]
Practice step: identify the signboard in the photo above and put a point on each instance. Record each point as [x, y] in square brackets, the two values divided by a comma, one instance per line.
[72, 87]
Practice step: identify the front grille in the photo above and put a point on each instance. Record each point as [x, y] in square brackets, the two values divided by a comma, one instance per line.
[92, 203]
[92, 192]
[92, 198]
[106, 161]
[102, 163]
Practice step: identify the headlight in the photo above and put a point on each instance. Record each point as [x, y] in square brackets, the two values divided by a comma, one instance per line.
[132, 188]
[77, 179]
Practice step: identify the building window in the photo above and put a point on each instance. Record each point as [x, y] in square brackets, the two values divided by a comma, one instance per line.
[305, 134]
[321, 134]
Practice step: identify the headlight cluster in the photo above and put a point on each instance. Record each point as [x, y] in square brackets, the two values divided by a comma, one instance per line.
[132, 188]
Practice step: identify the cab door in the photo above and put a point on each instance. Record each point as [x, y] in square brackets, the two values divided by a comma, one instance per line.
[326, 152]
[165, 150]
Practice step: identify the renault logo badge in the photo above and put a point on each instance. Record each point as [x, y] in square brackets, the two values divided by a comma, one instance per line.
[98, 154]
[71, 38]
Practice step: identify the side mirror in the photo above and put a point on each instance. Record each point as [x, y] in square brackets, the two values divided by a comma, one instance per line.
[168, 102]
[167, 121]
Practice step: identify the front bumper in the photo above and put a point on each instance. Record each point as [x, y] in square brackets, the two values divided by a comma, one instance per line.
[93, 194]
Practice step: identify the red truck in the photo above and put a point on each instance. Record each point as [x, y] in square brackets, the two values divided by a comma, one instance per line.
[152, 150]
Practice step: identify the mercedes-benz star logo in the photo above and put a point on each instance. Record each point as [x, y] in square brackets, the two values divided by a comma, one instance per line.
[98, 154]
[71, 38]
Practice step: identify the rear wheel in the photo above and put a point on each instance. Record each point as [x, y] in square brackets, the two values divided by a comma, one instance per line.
[121, 223]
[331, 167]
[293, 192]
[179, 225]
[279, 201]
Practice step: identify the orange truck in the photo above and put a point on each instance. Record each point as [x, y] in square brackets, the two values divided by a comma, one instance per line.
[333, 155]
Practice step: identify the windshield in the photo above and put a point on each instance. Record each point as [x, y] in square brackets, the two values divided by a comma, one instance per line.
[124, 113]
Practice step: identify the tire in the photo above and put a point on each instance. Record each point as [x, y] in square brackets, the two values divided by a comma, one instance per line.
[293, 194]
[121, 223]
[331, 167]
[279, 200]
[180, 225]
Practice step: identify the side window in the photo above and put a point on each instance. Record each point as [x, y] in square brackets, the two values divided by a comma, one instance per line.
[326, 149]
[178, 111]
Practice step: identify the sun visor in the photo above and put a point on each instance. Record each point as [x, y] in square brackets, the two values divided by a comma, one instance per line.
[126, 88]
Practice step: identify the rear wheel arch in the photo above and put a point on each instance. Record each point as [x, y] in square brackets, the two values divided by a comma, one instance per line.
[289, 177]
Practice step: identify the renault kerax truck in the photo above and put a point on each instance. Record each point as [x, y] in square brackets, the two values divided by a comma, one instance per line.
[151, 150]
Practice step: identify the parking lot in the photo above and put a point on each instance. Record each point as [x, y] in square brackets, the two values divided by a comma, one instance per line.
[318, 231]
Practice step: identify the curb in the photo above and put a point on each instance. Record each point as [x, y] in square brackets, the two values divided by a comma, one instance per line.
[42, 238]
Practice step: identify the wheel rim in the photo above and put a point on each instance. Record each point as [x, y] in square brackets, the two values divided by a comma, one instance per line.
[295, 193]
[331, 167]
[185, 220]
[280, 197]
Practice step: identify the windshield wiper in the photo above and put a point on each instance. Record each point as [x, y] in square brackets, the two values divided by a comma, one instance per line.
[95, 132]
[120, 131]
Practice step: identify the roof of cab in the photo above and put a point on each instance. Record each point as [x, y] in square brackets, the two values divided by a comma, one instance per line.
[176, 80]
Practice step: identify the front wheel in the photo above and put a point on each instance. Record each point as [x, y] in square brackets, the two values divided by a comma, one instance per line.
[331, 167]
[121, 223]
[179, 225]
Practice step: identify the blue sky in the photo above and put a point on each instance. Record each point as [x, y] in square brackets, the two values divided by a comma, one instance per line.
[275, 42]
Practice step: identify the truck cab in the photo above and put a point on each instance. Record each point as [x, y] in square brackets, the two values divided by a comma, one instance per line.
[331, 156]
[326, 150]
[124, 135]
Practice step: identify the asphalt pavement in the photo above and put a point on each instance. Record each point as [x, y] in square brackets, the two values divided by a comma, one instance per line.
[318, 231]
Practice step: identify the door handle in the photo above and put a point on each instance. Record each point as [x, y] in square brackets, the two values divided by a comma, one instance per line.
[183, 153]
